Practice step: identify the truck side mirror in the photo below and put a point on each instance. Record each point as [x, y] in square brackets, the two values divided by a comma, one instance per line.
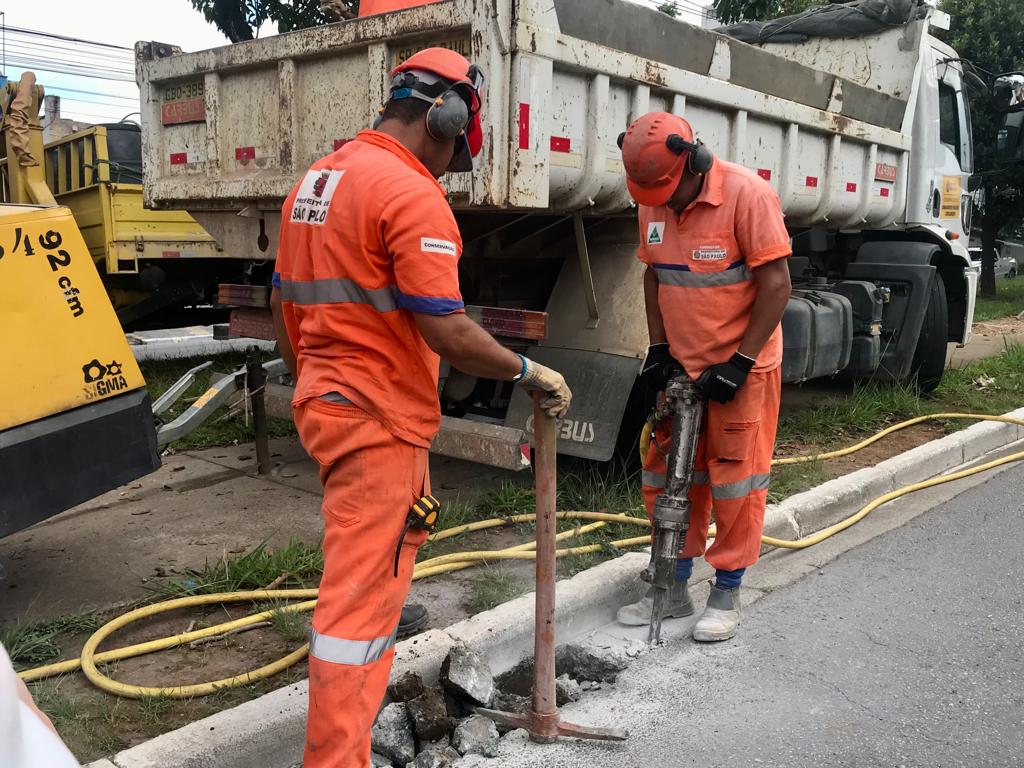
[1008, 93]
[1010, 139]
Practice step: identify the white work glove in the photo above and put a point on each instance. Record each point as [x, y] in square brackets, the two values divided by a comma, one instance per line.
[538, 377]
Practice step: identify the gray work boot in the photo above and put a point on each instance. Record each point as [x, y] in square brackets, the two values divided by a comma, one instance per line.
[720, 618]
[639, 613]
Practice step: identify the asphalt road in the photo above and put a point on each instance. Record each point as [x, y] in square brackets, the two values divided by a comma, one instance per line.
[903, 651]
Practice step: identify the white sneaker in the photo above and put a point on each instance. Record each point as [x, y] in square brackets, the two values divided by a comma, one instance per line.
[720, 618]
[638, 614]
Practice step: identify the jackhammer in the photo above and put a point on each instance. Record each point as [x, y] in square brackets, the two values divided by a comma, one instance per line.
[684, 404]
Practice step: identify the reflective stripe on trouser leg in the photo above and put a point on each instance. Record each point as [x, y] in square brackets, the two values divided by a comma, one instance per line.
[653, 478]
[370, 480]
[741, 439]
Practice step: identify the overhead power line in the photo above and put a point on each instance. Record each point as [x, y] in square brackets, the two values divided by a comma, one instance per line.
[53, 36]
[35, 46]
[62, 89]
[67, 71]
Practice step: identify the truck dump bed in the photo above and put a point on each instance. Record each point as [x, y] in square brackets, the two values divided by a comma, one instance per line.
[233, 128]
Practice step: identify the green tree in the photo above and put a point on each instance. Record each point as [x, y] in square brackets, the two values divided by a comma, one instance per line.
[241, 20]
[990, 35]
[671, 9]
[732, 11]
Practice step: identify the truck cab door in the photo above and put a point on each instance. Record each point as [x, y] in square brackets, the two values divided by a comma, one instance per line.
[951, 204]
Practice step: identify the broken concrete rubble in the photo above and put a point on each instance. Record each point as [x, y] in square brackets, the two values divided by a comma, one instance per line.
[407, 687]
[466, 673]
[476, 735]
[435, 757]
[429, 716]
[392, 734]
[567, 690]
[596, 664]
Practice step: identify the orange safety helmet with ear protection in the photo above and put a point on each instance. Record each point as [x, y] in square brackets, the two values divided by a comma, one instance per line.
[455, 89]
[656, 149]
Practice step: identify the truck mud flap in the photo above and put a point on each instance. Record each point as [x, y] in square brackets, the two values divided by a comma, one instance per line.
[902, 316]
[84, 452]
[600, 385]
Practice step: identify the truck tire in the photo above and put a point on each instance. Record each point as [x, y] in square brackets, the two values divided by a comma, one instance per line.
[930, 354]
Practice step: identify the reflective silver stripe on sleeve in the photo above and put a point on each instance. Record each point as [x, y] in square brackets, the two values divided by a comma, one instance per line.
[682, 277]
[338, 290]
[338, 650]
[740, 488]
[657, 479]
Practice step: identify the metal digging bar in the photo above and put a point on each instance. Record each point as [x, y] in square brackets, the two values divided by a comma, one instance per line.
[544, 722]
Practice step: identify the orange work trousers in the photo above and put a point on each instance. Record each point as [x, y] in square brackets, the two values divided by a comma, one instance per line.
[370, 479]
[732, 471]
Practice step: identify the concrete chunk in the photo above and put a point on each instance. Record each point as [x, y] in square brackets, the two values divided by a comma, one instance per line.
[407, 687]
[597, 664]
[467, 674]
[392, 735]
[567, 691]
[435, 757]
[476, 735]
[429, 715]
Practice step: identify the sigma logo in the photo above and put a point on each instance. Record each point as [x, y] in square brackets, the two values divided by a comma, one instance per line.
[709, 253]
[432, 245]
[102, 380]
[570, 430]
[656, 233]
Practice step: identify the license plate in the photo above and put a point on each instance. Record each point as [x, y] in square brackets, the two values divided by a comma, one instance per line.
[461, 45]
[184, 103]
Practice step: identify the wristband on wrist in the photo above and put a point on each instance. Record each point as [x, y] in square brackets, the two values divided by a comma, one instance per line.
[522, 373]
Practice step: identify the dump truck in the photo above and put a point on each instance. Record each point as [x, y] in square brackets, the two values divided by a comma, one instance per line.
[148, 259]
[860, 123]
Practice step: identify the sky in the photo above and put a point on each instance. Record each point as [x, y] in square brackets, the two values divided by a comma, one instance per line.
[103, 87]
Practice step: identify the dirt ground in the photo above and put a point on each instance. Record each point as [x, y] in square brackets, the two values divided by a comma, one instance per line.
[990, 338]
[198, 507]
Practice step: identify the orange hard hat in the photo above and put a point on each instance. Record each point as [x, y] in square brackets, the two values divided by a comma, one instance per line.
[653, 164]
[463, 77]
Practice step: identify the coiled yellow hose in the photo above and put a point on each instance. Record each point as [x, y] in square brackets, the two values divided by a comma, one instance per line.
[90, 658]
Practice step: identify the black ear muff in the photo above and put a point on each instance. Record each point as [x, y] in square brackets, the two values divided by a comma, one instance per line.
[447, 117]
[700, 158]
[621, 139]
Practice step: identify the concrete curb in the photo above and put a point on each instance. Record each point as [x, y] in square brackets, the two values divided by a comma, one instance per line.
[269, 731]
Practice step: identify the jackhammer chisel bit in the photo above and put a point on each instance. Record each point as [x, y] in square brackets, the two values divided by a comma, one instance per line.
[684, 404]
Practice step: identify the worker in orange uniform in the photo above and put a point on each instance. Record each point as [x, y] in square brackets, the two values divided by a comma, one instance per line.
[366, 298]
[717, 282]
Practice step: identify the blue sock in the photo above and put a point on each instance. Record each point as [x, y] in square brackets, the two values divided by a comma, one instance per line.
[726, 579]
[684, 568]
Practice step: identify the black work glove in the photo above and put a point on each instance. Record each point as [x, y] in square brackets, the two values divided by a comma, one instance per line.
[721, 382]
[659, 367]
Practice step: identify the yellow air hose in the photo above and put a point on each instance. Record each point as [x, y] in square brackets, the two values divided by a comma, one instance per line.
[90, 657]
